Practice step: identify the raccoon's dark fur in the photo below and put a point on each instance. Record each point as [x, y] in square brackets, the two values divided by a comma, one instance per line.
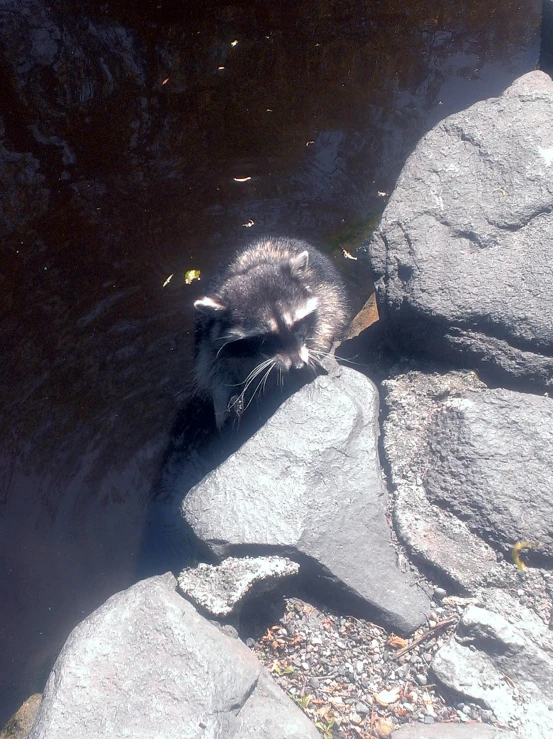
[278, 306]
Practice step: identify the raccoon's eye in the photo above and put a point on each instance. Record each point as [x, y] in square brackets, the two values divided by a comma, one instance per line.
[252, 346]
[304, 326]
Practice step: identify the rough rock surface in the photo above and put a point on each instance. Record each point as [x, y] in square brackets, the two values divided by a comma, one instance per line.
[20, 724]
[453, 731]
[491, 464]
[431, 533]
[221, 588]
[464, 253]
[471, 469]
[146, 664]
[493, 662]
[309, 484]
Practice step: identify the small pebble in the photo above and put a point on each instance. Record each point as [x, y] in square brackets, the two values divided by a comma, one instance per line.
[440, 593]
[421, 679]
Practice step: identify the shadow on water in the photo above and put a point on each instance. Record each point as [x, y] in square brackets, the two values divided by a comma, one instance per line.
[141, 140]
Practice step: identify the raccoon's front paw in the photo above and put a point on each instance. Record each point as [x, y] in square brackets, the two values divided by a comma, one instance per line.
[236, 405]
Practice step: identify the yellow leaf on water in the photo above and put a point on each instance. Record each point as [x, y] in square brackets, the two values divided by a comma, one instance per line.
[191, 275]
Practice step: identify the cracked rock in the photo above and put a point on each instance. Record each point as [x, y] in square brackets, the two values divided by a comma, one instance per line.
[471, 469]
[500, 666]
[431, 533]
[463, 256]
[491, 465]
[146, 664]
[221, 588]
[309, 484]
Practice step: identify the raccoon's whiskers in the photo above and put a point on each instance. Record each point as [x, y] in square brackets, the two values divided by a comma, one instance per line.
[231, 339]
[321, 354]
[255, 372]
[250, 378]
[261, 382]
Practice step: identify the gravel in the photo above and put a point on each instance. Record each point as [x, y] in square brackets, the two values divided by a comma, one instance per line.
[355, 680]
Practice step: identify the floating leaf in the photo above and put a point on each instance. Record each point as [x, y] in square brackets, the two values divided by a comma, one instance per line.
[191, 275]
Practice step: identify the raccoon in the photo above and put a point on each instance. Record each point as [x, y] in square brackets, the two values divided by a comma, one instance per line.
[278, 307]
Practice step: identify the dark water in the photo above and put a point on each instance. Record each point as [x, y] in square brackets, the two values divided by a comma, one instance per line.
[125, 129]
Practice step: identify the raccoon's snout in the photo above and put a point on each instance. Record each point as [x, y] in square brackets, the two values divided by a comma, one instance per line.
[294, 361]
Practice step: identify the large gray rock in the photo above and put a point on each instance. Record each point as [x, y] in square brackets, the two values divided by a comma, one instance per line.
[471, 469]
[493, 662]
[432, 534]
[309, 483]
[464, 253]
[146, 665]
[491, 464]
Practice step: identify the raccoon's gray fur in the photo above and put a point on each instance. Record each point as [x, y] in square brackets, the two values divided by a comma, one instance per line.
[278, 306]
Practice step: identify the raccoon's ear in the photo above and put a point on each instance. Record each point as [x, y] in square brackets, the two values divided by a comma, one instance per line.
[209, 306]
[299, 263]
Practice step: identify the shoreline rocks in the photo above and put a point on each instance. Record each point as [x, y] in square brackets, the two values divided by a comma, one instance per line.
[147, 664]
[308, 484]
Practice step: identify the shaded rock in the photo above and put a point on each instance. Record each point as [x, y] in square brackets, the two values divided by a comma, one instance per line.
[453, 731]
[20, 724]
[439, 538]
[491, 465]
[220, 588]
[147, 664]
[463, 254]
[309, 484]
[494, 663]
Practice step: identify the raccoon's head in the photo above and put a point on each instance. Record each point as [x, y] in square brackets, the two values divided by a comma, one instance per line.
[267, 313]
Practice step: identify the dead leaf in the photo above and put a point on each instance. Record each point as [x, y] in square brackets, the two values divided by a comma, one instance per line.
[383, 728]
[396, 642]
[387, 697]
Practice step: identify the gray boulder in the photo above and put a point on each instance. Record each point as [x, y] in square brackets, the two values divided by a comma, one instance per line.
[491, 464]
[309, 484]
[463, 257]
[431, 533]
[493, 662]
[471, 469]
[146, 665]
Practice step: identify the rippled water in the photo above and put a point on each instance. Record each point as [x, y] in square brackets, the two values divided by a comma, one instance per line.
[140, 140]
